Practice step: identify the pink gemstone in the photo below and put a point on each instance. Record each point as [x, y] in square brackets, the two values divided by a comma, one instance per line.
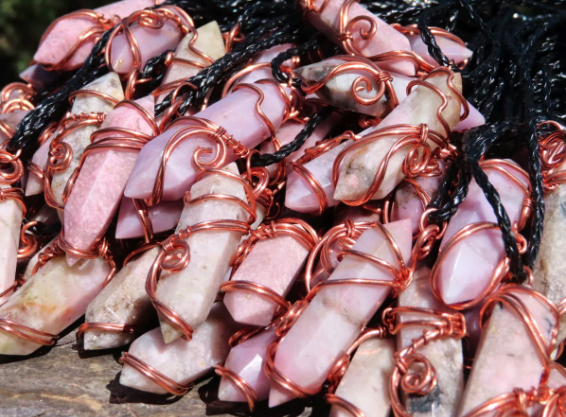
[34, 184]
[453, 50]
[266, 56]
[38, 76]
[474, 119]
[466, 270]
[236, 113]
[10, 222]
[386, 39]
[98, 189]
[12, 120]
[164, 216]
[337, 314]
[67, 32]
[247, 359]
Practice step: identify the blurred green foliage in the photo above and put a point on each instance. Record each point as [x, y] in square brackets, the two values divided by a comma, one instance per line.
[22, 22]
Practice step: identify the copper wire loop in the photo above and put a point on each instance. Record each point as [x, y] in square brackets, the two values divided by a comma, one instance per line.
[513, 173]
[245, 388]
[149, 19]
[176, 253]
[367, 30]
[104, 327]
[518, 402]
[163, 381]
[400, 273]
[420, 140]
[27, 333]
[28, 241]
[15, 96]
[552, 149]
[301, 231]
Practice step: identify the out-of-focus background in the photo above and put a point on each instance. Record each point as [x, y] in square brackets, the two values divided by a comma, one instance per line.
[22, 22]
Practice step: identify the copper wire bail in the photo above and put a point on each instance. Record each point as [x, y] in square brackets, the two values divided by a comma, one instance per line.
[176, 252]
[519, 401]
[402, 276]
[512, 172]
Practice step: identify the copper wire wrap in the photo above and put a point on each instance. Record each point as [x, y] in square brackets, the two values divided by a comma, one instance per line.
[150, 19]
[413, 373]
[245, 388]
[517, 403]
[28, 241]
[552, 149]
[176, 253]
[420, 140]
[512, 172]
[299, 230]
[367, 30]
[221, 141]
[340, 367]
[400, 272]
[15, 96]
[233, 37]
[61, 153]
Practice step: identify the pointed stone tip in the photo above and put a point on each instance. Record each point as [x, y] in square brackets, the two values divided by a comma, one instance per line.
[299, 196]
[228, 392]
[72, 260]
[346, 186]
[169, 333]
[278, 396]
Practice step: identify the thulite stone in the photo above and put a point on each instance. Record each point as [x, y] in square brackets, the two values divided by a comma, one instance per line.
[507, 357]
[55, 297]
[453, 50]
[11, 119]
[164, 216]
[192, 291]
[385, 40]
[79, 139]
[99, 186]
[366, 382]
[180, 171]
[445, 355]
[337, 314]
[10, 223]
[466, 270]
[66, 33]
[247, 360]
[38, 77]
[359, 167]
[182, 361]
[34, 184]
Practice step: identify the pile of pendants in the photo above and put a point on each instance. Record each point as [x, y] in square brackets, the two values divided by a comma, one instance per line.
[318, 274]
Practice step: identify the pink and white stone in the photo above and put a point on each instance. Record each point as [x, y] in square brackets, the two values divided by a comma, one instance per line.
[273, 263]
[182, 361]
[180, 171]
[359, 167]
[366, 381]
[34, 184]
[192, 291]
[209, 41]
[466, 270]
[453, 50]
[123, 301]
[101, 181]
[387, 39]
[507, 357]
[12, 120]
[474, 119]
[66, 33]
[151, 41]
[164, 216]
[445, 355]
[338, 90]
[52, 300]
[79, 139]
[38, 76]
[337, 314]
[266, 56]
[10, 226]
[247, 360]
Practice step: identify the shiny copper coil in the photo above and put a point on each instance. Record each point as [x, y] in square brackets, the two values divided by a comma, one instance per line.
[512, 172]
[151, 19]
[420, 140]
[367, 30]
[163, 381]
[552, 150]
[232, 37]
[519, 401]
[143, 215]
[15, 96]
[437, 32]
[400, 272]
[104, 327]
[176, 253]
[240, 383]
[172, 112]
[11, 167]
[28, 240]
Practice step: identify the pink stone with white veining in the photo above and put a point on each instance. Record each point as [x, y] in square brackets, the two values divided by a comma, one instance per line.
[466, 270]
[366, 381]
[34, 185]
[99, 186]
[453, 50]
[66, 33]
[236, 113]
[164, 216]
[359, 167]
[507, 357]
[247, 360]
[52, 300]
[273, 263]
[336, 315]
[182, 361]
[12, 119]
[10, 223]
[386, 39]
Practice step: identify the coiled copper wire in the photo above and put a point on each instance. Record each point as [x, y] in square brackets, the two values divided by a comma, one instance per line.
[552, 149]
[15, 96]
[512, 172]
